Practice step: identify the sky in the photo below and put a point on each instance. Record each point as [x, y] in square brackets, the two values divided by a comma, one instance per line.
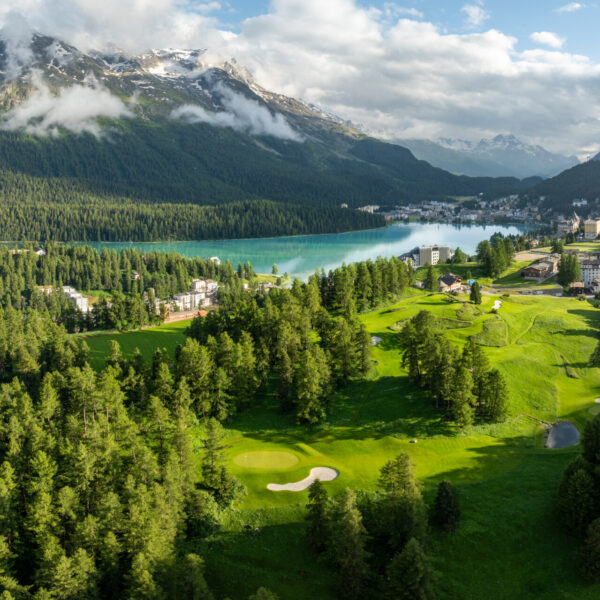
[409, 69]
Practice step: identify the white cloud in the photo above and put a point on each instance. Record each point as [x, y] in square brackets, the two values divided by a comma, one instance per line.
[398, 77]
[475, 15]
[76, 108]
[392, 10]
[571, 7]
[208, 7]
[547, 38]
[17, 35]
[241, 114]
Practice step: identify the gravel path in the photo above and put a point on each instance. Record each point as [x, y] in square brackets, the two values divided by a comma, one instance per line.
[563, 435]
[320, 473]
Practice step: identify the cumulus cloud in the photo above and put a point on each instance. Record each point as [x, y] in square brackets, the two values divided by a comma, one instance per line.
[571, 7]
[241, 114]
[475, 15]
[133, 25]
[76, 109]
[547, 38]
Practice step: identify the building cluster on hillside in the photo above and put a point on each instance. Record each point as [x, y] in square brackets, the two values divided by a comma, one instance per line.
[544, 269]
[475, 210]
[80, 302]
[202, 294]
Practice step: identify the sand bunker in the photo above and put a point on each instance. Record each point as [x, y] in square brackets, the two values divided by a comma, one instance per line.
[321, 473]
[563, 435]
[266, 460]
[498, 305]
[375, 340]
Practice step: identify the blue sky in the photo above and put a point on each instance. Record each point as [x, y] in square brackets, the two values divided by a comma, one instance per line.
[577, 22]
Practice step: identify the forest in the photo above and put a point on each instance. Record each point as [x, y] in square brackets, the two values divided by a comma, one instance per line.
[62, 210]
[99, 492]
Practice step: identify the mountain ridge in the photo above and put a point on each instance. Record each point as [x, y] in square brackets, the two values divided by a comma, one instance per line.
[502, 155]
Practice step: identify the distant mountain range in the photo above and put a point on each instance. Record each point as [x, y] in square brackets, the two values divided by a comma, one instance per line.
[501, 156]
[175, 126]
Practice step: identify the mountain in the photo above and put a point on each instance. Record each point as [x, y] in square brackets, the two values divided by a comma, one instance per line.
[503, 155]
[177, 126]
[580, 182]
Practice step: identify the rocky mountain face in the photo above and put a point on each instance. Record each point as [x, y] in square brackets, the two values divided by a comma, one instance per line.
[503, 155]
[159, 81]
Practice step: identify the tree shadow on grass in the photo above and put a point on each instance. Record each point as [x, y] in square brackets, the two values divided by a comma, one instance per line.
[389, 406]
[591, 316]
[389, 340]
[260, 553]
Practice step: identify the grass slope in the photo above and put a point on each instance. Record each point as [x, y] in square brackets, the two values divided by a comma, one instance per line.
[147, 340]
[509, 543]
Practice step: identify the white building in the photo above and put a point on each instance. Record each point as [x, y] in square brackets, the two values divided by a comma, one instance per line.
[433, 255]
[79, 300]
[215, 259]
[590, 270]
[202, 294]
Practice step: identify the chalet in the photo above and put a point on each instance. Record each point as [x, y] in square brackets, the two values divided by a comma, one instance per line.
[543, 269]
[215, 259]
[450, 283]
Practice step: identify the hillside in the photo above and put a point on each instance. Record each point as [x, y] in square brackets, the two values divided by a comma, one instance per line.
[582, 181]
[172, 126]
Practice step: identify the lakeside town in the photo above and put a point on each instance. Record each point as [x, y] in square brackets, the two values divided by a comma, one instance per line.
[514, 208]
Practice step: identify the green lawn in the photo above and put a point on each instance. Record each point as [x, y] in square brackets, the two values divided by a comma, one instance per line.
[147, 340]
[509, 544]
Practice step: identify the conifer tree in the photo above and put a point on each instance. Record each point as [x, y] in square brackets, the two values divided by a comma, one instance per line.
[590, 555]
[409, 575]
[318, 518]
[348, 546]
[430, 283]
[446, 509]
[475, 295]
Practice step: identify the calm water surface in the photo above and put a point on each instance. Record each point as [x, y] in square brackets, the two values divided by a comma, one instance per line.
[301, 256]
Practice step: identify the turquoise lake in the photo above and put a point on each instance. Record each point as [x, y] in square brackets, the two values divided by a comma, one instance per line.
[301, 256]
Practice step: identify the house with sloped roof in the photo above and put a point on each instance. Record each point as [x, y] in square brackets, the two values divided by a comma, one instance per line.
[450, 283]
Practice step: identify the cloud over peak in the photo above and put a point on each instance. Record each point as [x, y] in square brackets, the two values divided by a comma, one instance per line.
[76, 108]
[241, 114]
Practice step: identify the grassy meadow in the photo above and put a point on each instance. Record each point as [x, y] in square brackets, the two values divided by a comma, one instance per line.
[147, 340]
[509, 543]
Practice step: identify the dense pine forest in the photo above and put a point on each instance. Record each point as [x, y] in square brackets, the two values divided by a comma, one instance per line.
[62, 210]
